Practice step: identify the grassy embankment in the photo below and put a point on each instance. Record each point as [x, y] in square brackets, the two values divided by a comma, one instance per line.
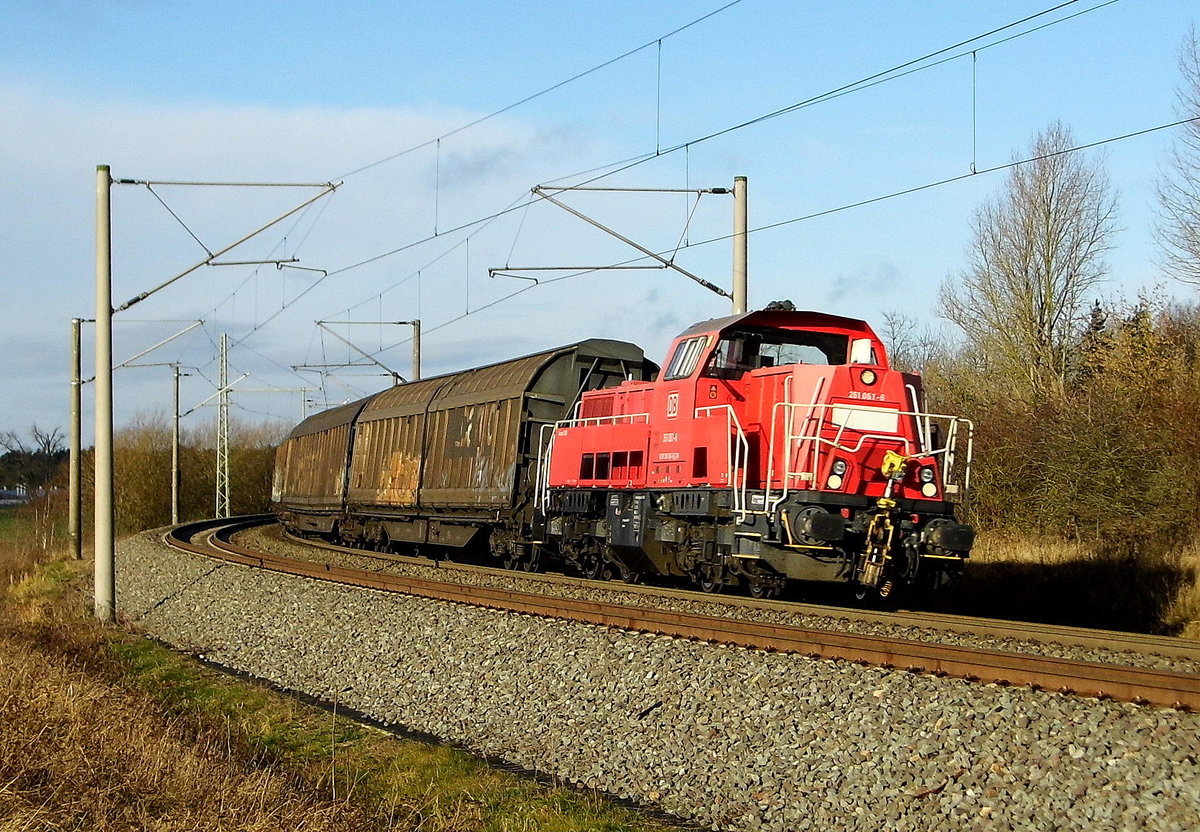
[105, 731]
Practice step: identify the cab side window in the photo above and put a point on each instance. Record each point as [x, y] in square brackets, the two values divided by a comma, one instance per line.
[687, 354]
[733, 357]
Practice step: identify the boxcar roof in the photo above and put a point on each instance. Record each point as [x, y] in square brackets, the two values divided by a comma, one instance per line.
[326, 419]
[491, 382]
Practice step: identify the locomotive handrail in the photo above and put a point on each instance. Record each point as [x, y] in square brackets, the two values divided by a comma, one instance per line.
[541, 487]
[924, 428]
[796, 440]
[789, 437]
[599, 420]
[738, 455]
[541, 497]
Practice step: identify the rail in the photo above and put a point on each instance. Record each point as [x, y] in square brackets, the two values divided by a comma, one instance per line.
[1132, 684]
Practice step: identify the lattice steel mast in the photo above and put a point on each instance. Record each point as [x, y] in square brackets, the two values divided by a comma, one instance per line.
[223, 432]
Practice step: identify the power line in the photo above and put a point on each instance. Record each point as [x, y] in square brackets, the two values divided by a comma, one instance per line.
[485, 221]
[901, 70]
[827, 212]
[952, 179]
[909, 67]
[540, 93]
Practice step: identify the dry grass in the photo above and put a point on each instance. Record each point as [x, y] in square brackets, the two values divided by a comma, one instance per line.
[1182, 615]
[1058, 581]
[26, 536]
[80, 753]
[102, 730]
[1000, 547]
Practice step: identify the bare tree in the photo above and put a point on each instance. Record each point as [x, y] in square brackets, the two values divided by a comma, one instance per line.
[1038, 250]
[911, 346]
[1178, 228]
[31, 466]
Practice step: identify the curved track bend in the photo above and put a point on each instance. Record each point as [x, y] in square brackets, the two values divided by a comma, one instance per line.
[1143, 686]
[1021, 631]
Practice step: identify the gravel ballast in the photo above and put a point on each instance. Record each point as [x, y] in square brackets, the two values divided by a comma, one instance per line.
[268, 539]
[728, 737]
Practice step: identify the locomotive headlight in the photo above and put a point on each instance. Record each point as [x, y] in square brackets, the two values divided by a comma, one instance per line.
[834, 481]
[868, 377]
[839, 467]
[929, 490]
[926, 474]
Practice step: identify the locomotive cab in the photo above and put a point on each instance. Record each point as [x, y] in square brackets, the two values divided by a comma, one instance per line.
[774, 445]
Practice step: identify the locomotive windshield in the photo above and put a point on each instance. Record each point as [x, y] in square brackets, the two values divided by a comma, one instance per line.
[752, 349]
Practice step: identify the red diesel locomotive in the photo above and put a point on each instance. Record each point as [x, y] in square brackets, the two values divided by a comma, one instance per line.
[774, 445]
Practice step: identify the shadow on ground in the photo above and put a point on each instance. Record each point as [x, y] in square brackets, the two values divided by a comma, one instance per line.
[1116, 593]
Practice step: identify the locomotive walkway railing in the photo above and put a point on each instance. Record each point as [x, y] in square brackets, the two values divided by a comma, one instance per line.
[541, 495]
[876, 423]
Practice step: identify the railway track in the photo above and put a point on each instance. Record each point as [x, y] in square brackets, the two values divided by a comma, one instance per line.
[1139, 685]
[1111, 640]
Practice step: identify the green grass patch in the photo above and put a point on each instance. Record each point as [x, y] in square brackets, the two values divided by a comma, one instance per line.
[50, 580]
[11, 522]
[405, 784]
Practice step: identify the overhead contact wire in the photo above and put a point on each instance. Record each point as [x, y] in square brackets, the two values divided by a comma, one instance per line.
[827, 212]
[540, 93]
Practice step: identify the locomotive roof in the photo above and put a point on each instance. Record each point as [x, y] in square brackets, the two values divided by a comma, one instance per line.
[782, 318]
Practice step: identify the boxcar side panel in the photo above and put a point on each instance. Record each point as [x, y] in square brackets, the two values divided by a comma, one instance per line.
[387, 461]
[310, 464]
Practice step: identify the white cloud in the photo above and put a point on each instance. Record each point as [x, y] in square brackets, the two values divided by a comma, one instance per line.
[55, 140]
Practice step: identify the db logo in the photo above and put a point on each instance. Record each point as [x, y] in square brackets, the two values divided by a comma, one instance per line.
[672, 405]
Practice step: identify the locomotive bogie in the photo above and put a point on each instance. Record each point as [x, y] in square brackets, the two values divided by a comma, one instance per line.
[685, 532]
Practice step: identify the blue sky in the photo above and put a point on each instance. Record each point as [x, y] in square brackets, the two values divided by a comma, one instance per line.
[308, 92]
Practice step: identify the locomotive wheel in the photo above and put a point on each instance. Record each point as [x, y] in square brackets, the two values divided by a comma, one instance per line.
[711, 578]
[864, 594]
[594, 566]
[761, 582]
[630, 576]
[532, 563]
[589, 560]
[759, 588]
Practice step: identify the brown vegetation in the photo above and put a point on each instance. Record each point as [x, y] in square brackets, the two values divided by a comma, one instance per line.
[1104, 469]
[81, 753]
[142, 472]
[103, 730]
